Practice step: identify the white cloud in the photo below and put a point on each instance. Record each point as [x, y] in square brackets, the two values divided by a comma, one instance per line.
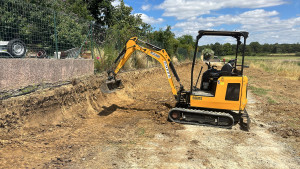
[184, 9]
[149, 19]
[117, 3]
[263, 26]
[146, 7]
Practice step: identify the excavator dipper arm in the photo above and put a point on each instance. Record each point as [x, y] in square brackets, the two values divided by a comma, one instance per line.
[158, 54]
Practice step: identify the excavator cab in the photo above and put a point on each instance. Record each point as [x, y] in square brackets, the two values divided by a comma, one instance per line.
[221, 93]
[223, 88]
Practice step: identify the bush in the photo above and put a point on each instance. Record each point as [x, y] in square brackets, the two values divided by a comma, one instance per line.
[207, 53]
[297, 54]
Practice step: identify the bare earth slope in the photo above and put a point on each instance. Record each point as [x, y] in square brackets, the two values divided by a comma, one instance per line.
[77, 126]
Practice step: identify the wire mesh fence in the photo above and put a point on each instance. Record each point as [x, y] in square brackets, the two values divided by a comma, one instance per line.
[31, 30]
[41, 31]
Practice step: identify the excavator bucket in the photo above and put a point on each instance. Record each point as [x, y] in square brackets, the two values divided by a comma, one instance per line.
[111, 85]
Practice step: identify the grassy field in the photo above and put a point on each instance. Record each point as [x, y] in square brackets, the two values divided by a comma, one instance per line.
[283, 65]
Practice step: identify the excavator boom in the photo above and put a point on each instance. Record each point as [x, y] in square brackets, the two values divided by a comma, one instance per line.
[155, 52]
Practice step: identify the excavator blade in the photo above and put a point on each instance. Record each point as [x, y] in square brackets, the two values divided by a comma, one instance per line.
[111, 85]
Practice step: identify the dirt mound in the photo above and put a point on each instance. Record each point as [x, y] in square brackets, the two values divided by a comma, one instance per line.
[81, 99]
[48, 106]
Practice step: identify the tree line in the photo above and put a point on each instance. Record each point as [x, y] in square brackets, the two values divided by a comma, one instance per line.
[254, 48]
[117, 22]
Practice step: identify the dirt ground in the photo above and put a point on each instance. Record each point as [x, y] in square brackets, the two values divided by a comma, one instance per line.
[78, 126]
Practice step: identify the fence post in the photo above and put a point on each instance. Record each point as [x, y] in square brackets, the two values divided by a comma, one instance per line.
[55, 32]
[92, 44]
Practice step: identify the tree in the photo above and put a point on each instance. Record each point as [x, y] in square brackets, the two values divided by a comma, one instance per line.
[186, 39]
[266, 48]
[126, 25]
[218, 49]
[100, 10]
[80, 8]
[255, 47]
[227, 49]
[165, 39]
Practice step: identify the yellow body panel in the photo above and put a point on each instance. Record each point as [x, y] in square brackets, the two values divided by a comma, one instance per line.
[218, 101]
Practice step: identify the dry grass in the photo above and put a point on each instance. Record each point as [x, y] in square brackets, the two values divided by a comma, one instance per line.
[289, 69]
[138, 60]
[175, 60]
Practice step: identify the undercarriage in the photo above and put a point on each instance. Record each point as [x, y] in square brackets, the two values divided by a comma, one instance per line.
[220, 119]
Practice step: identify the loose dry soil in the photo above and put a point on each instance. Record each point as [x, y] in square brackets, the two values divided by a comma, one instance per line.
[78, 126]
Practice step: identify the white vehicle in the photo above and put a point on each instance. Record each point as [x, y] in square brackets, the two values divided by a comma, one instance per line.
[14, 48]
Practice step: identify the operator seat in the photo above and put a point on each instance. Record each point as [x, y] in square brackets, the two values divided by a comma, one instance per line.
[226, 70]
[208, 77]
[211, 76]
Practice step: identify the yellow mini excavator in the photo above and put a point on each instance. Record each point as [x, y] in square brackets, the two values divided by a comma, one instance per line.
[221, 98]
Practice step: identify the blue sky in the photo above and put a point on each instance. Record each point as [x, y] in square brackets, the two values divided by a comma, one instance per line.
[267, 21]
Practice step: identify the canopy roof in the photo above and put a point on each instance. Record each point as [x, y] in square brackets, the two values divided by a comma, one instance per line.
[235, 34]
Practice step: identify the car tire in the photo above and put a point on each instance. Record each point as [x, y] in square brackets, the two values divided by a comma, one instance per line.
[16, 48]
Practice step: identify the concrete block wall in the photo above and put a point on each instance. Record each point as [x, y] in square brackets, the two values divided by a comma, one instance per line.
[16, 73]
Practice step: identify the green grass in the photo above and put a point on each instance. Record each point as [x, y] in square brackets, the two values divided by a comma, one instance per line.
[259, 91]
[28, 89]
[271, 101]
[5, 95]
[140, 131]
[262, 93]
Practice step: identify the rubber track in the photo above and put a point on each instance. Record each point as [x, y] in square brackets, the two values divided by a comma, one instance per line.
[205, 112]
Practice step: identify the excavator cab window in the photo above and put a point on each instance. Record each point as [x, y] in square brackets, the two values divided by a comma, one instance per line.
[233, 92]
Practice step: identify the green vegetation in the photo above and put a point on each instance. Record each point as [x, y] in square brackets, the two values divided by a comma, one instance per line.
[28, 89]
[262, 92]
[265, 57]
[258, 91]
[271, 101]
[207, 53]
[140, 131]
[255, 49]
[99, 25]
